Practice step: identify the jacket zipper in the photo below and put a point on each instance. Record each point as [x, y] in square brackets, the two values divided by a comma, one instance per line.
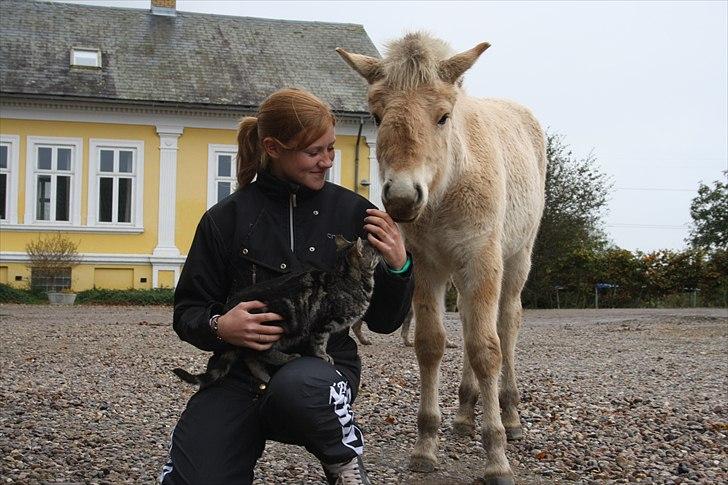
[291, 205]
[253, 276]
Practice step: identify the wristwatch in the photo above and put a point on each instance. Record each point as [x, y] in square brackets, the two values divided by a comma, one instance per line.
[213, 326]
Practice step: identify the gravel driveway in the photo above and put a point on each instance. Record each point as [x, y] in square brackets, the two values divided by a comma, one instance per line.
[608, 396]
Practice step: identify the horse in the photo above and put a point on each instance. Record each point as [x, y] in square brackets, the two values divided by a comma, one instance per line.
[464, 178]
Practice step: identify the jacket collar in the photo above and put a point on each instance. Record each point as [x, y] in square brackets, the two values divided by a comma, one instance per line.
[278, 189]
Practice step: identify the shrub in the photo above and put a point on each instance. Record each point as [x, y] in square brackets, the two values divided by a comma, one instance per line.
[51, 260]
[8, 294]
[99, 296]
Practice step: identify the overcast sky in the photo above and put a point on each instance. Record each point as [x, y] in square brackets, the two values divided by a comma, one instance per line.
[643, 86]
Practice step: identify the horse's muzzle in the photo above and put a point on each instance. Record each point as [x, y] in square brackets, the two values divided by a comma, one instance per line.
[403, 201]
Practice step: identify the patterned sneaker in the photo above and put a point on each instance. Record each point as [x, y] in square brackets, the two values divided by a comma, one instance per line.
[348, 473]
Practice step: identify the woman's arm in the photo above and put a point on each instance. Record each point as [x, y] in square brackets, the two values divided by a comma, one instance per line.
[202, 288]
[393, 281]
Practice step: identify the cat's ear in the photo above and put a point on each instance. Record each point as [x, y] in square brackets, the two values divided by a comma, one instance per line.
[341, 242]
[359, 246]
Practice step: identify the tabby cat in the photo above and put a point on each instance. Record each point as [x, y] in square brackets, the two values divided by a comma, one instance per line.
[314, 304]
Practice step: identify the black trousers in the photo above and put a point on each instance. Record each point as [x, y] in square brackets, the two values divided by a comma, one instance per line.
[222, 432]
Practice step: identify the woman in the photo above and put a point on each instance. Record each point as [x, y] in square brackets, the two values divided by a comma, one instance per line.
[279, 223]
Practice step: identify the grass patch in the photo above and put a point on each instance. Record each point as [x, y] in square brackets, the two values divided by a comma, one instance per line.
[99, 296]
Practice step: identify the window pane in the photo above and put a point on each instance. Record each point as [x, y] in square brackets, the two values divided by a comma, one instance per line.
[43, 209]
[44, 158]
[223, 190]
[223, 165]
[107, 161]
[85, 58]
[125, 161]
[124, 200]
[64, 159]
[63, 194]
[3, 156]
[106, 194]
[3, 194]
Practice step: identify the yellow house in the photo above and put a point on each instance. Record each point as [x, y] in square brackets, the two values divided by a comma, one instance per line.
[117, 126]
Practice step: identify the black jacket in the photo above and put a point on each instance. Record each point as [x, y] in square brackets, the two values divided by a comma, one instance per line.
[267, 229]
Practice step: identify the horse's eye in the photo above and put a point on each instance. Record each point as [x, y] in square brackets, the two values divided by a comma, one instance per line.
[444, 118]
[377, 121]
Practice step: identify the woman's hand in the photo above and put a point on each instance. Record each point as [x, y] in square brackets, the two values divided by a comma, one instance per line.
[384, 235]
[244, 329]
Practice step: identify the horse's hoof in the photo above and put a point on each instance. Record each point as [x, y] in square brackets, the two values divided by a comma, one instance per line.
[451, 345]
[514, 433]
[503, 480]
[408, 343]
[463, 429]
[364, 341]
[422, 464]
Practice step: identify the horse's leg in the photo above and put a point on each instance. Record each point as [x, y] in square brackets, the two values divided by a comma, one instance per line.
[406, 328]
[509, 322]
[480, 284]
[464, 422]
[429, 303]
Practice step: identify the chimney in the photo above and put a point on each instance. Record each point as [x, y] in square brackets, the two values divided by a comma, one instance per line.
[167, 8]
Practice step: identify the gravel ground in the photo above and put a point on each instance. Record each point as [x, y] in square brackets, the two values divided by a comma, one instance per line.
[608, 396]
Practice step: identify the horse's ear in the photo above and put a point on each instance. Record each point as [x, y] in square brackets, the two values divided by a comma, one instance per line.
[451, 69]
[370, 68]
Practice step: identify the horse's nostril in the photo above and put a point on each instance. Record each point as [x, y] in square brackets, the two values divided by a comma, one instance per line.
[418, 188]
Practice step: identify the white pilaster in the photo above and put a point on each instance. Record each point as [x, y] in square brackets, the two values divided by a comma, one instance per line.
[375, 187]
[168, 136]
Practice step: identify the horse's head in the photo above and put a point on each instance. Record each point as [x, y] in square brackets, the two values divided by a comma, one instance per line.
[412, 93]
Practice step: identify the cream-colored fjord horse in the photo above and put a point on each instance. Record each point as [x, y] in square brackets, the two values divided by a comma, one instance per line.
[465, 178]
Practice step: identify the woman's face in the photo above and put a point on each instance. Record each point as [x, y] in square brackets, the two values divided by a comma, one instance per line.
[305, 167]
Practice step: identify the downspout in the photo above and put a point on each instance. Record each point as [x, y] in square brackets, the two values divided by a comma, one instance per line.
[356, 156]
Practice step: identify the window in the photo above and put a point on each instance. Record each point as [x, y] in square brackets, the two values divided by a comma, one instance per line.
[115, 183]
[9, 178]
[43, 281]
[85, 57]
[4, 179]
[53, 181]
[334, 173]
[222, 172]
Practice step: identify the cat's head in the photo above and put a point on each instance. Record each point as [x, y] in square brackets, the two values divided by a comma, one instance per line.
[358, 254]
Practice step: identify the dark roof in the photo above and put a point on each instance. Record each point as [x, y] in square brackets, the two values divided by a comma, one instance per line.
[191, 59]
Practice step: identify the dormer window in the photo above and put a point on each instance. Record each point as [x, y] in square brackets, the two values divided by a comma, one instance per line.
[85, 57]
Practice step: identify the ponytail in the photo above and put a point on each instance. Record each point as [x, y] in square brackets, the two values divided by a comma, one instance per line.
[250, 152]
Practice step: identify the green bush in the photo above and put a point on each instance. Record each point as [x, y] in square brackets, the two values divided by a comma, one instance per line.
[8, 294]
[99, 296]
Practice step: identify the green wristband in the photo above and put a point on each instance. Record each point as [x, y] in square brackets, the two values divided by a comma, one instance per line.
[403, 269]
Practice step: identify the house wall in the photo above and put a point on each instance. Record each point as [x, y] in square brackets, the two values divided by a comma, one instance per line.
[115, 257]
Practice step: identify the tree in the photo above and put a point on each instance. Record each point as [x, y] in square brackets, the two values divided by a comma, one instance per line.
[709, 210]
[576, 197]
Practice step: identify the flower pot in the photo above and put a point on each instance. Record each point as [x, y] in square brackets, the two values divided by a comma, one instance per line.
[61, 298]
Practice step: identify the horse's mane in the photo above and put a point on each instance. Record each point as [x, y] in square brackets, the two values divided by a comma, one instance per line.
[413, 60]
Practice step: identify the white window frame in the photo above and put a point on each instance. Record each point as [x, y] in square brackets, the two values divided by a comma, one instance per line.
[137, 187]
[31, 175]
[75, 50]
[334, 173]
[213, 150]
[11, 203]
